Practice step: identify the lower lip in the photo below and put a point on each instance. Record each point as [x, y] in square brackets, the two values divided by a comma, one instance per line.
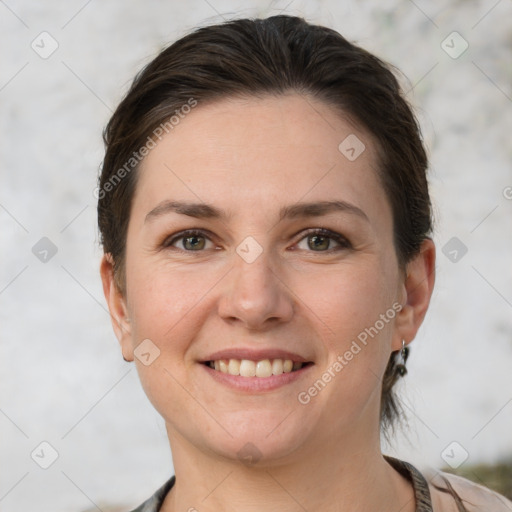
[254, 384]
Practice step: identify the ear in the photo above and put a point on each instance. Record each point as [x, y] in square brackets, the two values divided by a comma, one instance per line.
[117, 306]
[417, 289]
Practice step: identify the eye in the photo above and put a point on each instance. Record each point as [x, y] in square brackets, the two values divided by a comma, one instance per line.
[320, 239]
[317, 240]
[191, 240]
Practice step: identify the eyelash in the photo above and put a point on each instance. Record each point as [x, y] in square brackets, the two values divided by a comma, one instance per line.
[340, 239]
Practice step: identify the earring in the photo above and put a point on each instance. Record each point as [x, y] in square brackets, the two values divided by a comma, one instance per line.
[404, 354]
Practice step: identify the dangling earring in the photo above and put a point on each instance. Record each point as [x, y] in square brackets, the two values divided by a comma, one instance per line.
[404, 354]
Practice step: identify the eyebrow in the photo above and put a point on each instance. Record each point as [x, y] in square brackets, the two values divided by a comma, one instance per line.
[299, 210]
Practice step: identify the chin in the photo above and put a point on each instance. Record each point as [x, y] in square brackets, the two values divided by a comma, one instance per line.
[260, 439]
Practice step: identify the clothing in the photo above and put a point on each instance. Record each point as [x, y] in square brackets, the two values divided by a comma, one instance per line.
[431, 490]
[155, 502]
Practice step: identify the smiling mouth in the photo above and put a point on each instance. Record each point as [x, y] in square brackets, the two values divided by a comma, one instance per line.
[261, 369]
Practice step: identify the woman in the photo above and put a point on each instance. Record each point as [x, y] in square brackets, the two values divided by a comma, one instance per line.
[265, 217]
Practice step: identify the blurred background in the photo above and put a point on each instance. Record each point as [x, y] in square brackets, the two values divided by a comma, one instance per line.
[76, 430]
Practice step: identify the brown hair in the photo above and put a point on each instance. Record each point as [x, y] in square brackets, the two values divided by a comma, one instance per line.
[254, 57]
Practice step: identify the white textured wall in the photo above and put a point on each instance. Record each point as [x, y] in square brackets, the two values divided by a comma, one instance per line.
[62, 378]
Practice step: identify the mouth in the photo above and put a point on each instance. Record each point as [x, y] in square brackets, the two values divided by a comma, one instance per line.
[261, 368]
[252, 370]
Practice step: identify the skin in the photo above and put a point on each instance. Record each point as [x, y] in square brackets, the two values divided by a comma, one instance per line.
[251, 157]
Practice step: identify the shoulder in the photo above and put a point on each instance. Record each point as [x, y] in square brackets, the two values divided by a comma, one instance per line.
[154, 503]
[453, 493]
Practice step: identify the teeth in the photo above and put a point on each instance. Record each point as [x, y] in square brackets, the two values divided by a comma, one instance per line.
[234, 367]
[287, 366]
[248, 368]
[277, 367]
[263, 368]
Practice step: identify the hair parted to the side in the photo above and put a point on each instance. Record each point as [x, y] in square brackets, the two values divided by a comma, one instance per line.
[256, 57]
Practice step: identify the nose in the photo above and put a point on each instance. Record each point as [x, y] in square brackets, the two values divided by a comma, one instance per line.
[255, 295]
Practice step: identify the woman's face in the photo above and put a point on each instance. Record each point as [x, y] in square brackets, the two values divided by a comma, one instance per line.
[257, 283]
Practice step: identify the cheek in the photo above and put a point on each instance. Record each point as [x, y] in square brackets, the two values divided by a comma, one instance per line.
[355, 306]
[161, 298]
[350, 298]
[356, 339]
[164, 304]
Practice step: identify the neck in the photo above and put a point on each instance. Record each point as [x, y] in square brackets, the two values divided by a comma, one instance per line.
[347, 476]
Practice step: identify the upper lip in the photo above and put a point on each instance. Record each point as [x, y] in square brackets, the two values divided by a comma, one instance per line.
[255, 355]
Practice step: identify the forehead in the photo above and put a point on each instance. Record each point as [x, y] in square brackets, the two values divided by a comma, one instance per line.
[254, 154]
